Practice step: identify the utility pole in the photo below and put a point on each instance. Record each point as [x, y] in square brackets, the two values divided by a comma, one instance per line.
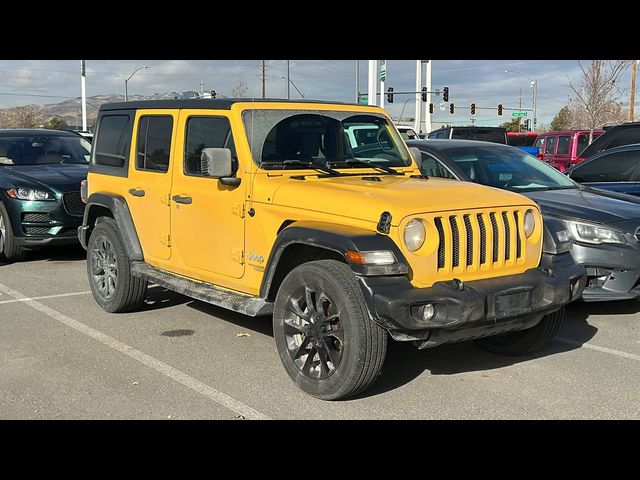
[519, 121]
[357, 81]
[84, 94]
[201, 88]
[417, 122]
[383, 77]
[373, 82]
[427, 118]
[633, 90]
[264, 79]
[288, 83]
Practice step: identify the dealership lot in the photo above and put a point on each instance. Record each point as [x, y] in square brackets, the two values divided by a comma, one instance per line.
[63, 357]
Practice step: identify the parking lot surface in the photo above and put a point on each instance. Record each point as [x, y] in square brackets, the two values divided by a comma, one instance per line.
[63, 357]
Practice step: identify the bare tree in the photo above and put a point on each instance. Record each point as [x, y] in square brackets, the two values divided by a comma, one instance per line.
[28, 116]
[240, 90]
[596, 97]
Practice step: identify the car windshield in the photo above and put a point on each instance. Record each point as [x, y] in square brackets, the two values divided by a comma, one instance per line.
[482, 134]
[46, 149]
[291, 139]
[509, 168]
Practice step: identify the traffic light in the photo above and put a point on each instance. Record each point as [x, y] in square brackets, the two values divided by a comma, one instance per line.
[431, 107]
[499, 109]
[527, 124]
[473, 109]
[445, 94]
[424, 94]
[390, 95]
[452, 108]
[213, 94]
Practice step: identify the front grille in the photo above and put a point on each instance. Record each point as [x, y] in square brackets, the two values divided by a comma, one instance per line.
[36, 217]
[491, 239]
[638, 233]
[73, 203]
[36, 230]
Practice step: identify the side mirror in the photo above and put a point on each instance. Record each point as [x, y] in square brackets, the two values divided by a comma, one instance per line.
[216, 163]
[417, 156]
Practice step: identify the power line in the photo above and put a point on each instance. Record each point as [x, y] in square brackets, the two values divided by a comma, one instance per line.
[34, 95]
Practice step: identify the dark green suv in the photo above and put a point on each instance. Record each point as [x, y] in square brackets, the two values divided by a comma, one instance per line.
[40, 176]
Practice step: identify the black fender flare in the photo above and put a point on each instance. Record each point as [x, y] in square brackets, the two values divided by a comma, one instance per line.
[336, 238]
[117, 205]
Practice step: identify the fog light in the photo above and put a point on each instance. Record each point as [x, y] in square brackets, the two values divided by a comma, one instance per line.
[563, 235]
[427, 312]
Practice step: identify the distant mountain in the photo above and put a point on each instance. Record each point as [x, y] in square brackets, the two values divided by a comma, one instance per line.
[71, 110]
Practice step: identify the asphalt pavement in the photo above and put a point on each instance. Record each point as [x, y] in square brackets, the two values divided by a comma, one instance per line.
[63, 357]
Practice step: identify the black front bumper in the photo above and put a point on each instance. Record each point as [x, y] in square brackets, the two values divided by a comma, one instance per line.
[473, 309]
[37, 242]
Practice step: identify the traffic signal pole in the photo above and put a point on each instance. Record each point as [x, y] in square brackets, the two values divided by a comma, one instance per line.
[373, 82]
[418, 117]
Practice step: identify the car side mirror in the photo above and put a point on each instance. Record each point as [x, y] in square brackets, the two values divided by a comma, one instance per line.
[217, 163]
[417, 156]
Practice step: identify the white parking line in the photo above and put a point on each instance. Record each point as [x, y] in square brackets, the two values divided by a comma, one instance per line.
[46, 296]
[177, 375]
[598, 348]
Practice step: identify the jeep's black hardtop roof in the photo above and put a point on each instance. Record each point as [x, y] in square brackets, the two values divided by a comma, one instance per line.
[205, 103]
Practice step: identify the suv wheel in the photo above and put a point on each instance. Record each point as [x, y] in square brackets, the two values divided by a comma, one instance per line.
[109, 270]
[526, 341]
[8, 248]
[326, 340]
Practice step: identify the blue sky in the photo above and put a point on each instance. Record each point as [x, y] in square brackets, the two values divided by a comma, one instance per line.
[480, 81]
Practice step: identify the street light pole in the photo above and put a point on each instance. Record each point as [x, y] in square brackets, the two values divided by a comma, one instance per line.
[534, 95]
[288, 80]
[126, 96]
[294, 86]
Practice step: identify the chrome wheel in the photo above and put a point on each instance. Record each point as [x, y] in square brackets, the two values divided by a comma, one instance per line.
[313, 333]
[104, 267]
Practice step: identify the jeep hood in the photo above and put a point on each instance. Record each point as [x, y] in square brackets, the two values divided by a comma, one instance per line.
[365, 197]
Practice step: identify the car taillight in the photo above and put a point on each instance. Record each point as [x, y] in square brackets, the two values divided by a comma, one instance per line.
[84, 189]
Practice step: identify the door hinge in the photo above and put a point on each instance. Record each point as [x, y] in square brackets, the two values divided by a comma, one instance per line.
[165, 198]
[165, 239]
[238, 209]
[237, 255]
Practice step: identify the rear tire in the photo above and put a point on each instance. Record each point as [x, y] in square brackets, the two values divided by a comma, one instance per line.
[326, 340]
[9, 250]
[527, 341]
[113, 286]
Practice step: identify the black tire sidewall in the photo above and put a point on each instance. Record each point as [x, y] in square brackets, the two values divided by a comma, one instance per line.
[352, 314]
[11, 252]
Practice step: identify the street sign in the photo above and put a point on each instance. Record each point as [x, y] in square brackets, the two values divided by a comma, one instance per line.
[362, 100]
[519, 114]
[443, 107]
[383, 70]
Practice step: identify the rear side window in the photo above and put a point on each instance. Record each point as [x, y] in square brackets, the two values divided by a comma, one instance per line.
[564, 143]
[154, 143]
[615, 167]
[550, 145]
[625, 137]
[205, 132]
[112, 141]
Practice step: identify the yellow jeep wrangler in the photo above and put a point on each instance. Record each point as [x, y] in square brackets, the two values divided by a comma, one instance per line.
[317, 214]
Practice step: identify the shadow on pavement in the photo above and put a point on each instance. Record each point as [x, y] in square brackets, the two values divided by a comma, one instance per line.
[53, 254]
[261, 325]
[159, 297]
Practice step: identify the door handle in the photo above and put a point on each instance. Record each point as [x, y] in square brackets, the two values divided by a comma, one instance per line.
[136, 193]
[179, 199]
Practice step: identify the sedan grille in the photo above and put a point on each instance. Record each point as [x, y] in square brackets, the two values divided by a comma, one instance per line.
[73, 203]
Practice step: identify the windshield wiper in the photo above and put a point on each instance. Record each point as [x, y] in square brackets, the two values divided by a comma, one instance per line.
[316, 166]
[369, 163]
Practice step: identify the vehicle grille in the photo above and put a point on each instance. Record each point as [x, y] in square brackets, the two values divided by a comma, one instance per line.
[470, 241]
[36, 217]
[73, 203]
[36, 230]
[638, 233]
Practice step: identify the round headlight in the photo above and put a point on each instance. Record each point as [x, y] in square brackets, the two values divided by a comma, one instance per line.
[414, 235]
[39, 195]
[529, 223]
[24, 193]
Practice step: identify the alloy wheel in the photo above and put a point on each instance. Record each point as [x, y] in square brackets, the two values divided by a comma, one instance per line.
[104, 267]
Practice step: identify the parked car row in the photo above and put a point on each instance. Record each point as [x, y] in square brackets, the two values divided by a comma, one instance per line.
[321, 217]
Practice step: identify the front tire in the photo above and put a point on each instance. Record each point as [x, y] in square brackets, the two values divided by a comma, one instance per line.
[9, 250]
[113, 286]
[326, 340]
[527, 341]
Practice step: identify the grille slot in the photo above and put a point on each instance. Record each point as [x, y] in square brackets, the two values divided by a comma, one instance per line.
[496, 236]
[518, 240]
[507, 236]
[36, 230]
[467, 226]
[73, 203]
[483, 240]
[36, 217]
[456, 240]
[441, 243]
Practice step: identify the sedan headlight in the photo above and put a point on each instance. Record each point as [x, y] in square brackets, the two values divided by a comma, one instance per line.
[23, 193]
[591, 233]
[414, 235]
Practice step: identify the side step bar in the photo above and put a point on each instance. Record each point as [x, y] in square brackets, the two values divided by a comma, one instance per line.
[237, 302]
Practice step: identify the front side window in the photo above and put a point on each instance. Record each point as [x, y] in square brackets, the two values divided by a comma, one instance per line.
[550, 145]
[44, 149]
[431, 167]
[564, 143]
[154, 143]
[615, 167]
[290, 139]
[507, 168]
[205, 132]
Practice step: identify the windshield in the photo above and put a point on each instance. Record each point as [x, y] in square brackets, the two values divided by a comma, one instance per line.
[38, 150]
[495, 135]
[289, 138]
[508, 168]
[521, 140]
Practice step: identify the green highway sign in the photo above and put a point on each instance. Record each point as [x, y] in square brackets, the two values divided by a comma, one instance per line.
[362, 100]
[519, 114]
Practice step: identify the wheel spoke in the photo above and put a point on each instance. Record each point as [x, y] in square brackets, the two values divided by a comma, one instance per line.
[311, 308]
[301, 349]
[308, 364]
[291, 328]
[294, 307]
[339, 334]
[324, 366]
[334, 355]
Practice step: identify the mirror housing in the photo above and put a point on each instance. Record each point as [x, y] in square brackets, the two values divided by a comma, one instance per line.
[217, 163]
